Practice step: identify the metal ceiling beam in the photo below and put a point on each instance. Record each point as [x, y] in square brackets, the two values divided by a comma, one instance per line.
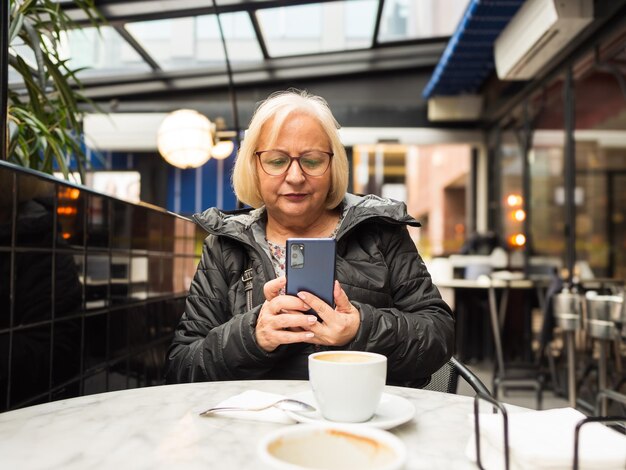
[272, 70]
[144, 10]
[132, 42]
[385, 58]
[259, 35]
[372, 86]
[385, 99]
[379, 15]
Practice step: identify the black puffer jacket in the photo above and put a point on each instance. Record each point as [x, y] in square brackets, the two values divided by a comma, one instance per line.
[402, 313]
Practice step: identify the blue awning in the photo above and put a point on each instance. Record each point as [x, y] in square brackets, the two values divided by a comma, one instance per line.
[468, 58]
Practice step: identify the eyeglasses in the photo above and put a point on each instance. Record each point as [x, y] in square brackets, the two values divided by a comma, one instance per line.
[277, 163]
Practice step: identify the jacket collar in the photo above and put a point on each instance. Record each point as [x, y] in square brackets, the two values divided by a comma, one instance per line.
[357, 209]
[361, 208]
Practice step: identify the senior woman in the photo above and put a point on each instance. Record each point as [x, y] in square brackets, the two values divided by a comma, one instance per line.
[293, 171]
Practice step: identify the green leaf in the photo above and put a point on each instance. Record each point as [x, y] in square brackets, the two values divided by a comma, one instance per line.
[15, 26]
[44, 112]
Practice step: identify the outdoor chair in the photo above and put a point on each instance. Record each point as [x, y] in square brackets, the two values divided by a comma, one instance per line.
[446, 378]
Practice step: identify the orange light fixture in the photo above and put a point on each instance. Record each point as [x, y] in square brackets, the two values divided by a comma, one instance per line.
[514, 200]
[519, 215]
[517, 240]
[67, 210]
[69, 193]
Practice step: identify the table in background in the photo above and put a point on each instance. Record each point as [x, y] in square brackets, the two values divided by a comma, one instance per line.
[497, 311]
[159, 428]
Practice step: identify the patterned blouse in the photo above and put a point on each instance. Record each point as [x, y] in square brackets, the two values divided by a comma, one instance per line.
[278, 254]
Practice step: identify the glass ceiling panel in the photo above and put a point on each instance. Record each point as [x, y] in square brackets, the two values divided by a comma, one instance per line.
[19, 48]
[321, 27]
[408, 19]
[103, 52]
[15, 78]
[191, 42]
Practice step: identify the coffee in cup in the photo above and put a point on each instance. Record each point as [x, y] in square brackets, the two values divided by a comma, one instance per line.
[343, 356]
[347, 385]
[344, 446]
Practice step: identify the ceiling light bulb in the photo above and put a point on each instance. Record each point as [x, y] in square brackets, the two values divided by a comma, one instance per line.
[223, 149]
[184, 139]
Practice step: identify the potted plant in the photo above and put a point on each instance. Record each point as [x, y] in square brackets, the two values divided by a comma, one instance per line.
[44, 119]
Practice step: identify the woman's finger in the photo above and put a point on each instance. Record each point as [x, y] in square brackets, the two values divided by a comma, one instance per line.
[272, 288]
[340, 325]
[342, 303]
[324, 310]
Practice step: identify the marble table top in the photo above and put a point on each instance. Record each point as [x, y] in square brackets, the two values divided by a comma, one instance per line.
[159, 428]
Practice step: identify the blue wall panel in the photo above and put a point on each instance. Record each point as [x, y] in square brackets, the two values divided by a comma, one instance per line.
[187, 191]
[192, 197]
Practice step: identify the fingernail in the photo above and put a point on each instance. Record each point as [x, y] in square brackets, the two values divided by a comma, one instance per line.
[312, 319]
[302, 295]
[309, 335]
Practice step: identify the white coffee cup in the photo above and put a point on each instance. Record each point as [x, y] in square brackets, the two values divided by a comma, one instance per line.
[331, 447]
[347, 385]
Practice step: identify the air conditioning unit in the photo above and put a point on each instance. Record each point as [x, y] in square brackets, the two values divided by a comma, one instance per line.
[538, 31]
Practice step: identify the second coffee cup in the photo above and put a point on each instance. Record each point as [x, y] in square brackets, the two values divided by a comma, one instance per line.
[347, 385]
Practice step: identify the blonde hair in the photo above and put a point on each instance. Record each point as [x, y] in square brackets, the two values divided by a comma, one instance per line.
[277, 108]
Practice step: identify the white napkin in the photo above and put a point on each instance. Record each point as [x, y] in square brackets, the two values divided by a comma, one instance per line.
[252, 399]
[545, 440]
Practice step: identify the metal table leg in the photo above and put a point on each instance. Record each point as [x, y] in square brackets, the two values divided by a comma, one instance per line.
[602, 374]
[571, 368]
[504, 303]
[495, 325]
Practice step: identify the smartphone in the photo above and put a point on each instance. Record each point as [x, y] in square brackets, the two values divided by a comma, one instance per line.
[310, 267]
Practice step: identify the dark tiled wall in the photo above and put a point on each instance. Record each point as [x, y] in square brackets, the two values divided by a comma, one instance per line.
[91, 289]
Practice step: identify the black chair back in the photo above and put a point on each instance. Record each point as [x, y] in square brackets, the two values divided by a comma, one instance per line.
[446, 379]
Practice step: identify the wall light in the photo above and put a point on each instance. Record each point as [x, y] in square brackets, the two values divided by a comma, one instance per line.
[517, 240]
[519, 215]
[514, 200]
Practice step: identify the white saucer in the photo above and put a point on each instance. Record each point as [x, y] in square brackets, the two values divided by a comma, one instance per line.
[391, 412]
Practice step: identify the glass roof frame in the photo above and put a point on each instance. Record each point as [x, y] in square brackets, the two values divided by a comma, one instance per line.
[122, 13]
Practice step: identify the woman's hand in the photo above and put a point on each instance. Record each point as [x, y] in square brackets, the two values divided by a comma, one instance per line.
[281, 320]
[339, 326]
